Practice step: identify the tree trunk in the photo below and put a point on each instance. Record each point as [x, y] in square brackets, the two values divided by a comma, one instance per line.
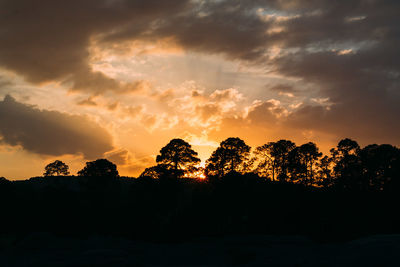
[176, 169]
[273, 171]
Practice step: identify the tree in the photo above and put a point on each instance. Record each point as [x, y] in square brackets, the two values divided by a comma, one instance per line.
[324, 172]
[3, 180]
[178, 157]
[347, 165]
[56, 168]
[380, 165]
[345, 147]
[232, 155]
[99, 168]
[302, 162]
[155, 172]
[274, 158]
[266, 162]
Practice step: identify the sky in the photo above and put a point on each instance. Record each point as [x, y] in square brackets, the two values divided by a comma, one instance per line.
[118, 79]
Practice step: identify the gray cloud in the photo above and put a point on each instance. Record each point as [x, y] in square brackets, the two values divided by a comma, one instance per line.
[346, 50]
[48, 40]
[51, 132]
[282, 88]
[364, 92]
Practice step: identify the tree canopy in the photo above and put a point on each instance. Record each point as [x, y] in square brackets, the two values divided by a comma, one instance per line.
[274, 159]
[232, 155]
[302, 163]
[156, 172]
[99, 168]
[348, 167]
[178, 157]
[56, 168]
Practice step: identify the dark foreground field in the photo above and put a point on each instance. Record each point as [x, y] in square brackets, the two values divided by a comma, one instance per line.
[237, 219]
[43, 249]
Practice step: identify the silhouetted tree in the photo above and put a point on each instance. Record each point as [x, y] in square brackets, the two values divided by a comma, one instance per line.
[3, 180]
[266, 161]
[344, 148]
[56, 168]
[274, 157]
[324, 172]
[156, 172]
[232, 155]
[296, 167]
[347, 165]
[171, 210]
[302, 163]
[99, 168]
[178, 157]
[150, 172]
[380, 165]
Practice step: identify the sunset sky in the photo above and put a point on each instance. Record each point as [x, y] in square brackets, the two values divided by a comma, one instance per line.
[118, 79]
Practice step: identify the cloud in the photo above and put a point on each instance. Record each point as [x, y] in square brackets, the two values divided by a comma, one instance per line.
[363, 101]
[4, 82]
[133, 111]
[128, 163]
[282, 88]
[206, 111]
[49, 41]
[87, 102]
[98, 83]
[230, 94]
[113, 106]
[120, 157]
[139, 165]
[264, 113]
[345, 51]
[50, 132]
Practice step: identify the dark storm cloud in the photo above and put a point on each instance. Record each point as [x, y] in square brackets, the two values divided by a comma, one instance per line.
[345, 50]
[230, 28]
[48, 40]
[51, 132]
[348, 50]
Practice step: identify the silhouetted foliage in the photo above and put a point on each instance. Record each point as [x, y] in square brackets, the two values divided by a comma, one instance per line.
[303, 162]
[274, 159]
[266, 162]
[178, 157]
[232, 155]
[159, 171]
[99, 168]
[56, 168]
[380, 164]
[348, 168]
[324, 177]
[353, 192]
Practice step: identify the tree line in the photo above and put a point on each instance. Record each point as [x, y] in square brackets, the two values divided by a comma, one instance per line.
[276, 188]
[348, 167]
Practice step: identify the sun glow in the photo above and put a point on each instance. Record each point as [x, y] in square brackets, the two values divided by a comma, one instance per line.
[198, 174]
